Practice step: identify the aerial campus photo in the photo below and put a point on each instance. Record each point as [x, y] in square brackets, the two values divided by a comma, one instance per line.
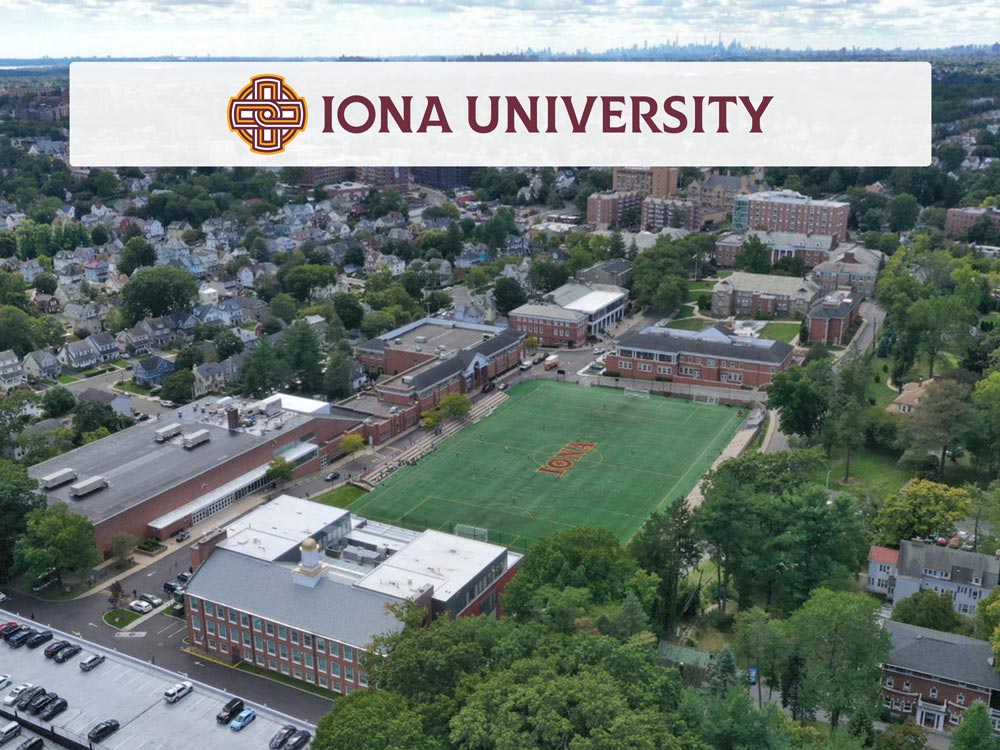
[566, 457]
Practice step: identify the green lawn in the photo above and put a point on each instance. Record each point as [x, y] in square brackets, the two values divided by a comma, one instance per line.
[131, 387]
[119, 618]
[880, 390]
[780, 331]
[686, 311]
[67, 379]
[341, 497]
[647, 454]
[690, 324]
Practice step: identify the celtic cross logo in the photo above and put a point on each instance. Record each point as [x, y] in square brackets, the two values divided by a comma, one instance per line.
[267, 114]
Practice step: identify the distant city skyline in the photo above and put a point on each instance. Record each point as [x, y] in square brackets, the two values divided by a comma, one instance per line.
[273, 28]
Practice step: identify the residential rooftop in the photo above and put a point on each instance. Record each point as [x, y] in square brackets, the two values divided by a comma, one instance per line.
[946, 655]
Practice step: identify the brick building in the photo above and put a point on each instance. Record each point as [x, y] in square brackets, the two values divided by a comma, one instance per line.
[716, 357]
[856, 268]
[656, 181]
[716, 193]
[812, 248]
[550, 324]
[616, 271]
[788, 211]
[347, 192]
[326, 175]
[301, 589]
[959, 220]
[932, 677]
[608, 209]
[658, 213]
[747, 295]
[831, 318]
[386, 178]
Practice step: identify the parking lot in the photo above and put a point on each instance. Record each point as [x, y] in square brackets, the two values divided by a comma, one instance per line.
[131, 692]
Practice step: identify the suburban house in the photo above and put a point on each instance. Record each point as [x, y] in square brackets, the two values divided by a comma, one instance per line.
[41, 365]
[120, 402]
[910, 398]
[47, 303]
[747, 295]
[106, 345]
[87, 318]
[152, 370]
[209, 377]
[932, 677]
[831, 318]
[11, 371]
[713, 357]
[967, 577]
[79, 355]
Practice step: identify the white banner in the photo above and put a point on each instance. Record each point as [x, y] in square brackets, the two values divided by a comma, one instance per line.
[500, 114]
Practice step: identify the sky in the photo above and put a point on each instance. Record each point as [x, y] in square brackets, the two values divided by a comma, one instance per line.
[280, 28]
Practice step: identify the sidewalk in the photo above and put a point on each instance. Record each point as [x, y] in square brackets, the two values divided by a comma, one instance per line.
[735, 448]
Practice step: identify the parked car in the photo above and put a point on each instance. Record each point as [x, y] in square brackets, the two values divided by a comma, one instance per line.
[243, 718]
[151, 599]
[67, 653]
[16, 693]
[525, 365]
[753, 675]
[489, 387]
[54, 648]
[40, 701]
[140, 606]
[598, 350]
[230, 710]
[27, 696]
[178, 691]
[20, 637]
[38, 639]
[3, 597]
[538, 360]
[4, 681]
[55, 708]
[103, 730]
[503, 386]
[281, 737]
[184, 577]
[298, 740]
[32, 743]
[171, 586]
[168, 404]
[183, 535]
[333, 476]
[91, 662]
[8, 628]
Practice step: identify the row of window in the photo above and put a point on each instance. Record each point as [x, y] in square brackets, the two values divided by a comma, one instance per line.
[932, 693]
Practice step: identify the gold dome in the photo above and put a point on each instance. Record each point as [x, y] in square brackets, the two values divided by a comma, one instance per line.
[309, 545]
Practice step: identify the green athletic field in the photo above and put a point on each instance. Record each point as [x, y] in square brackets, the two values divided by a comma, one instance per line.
[649, 453]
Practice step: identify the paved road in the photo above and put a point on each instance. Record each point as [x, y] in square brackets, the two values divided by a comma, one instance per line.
[104, 382]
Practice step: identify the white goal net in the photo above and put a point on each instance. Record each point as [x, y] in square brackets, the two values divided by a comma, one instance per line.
[637, 393]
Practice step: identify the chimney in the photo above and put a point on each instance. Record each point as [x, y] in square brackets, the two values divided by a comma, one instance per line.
[232, 417]
[309, 570]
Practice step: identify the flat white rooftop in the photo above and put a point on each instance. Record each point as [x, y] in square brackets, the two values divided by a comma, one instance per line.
[594, 301]
[299, 404]
[271, 529]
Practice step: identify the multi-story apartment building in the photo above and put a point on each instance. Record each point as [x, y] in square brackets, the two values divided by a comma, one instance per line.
[386, 178]
[717, 192]
[550, 325]
[831, 318]
[812, 248]
[608, 209]
[716, 357]
[932, 677]
[747, 295]
[959, 220]
[967, 577]
[657, 181]
[788, 211]
[658, 213]
[442, 178]
[302, 589]
[326, 175]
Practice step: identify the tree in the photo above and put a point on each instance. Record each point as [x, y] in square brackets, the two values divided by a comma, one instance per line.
[942, 422]
[546, 275]
[861, 726]
[372, 720]
[17, 501]
[902, 210]
[985, 441]
[16, 330]
[284, 307]
[760, 640]
[975, 732]
[178, 386]
[92, 415]
[921, 509]
[951, 154]
[850, 400]
[117, 596]
[55, 538]
[300, 351]
[8, 244]
[157, 291]
[348, 309]
[377, 322]
[531, 343]
[58, 401]
[46, 283]
[338, 380]
[722, 674]
[455, 406]
[264, 371]
[906, 736]
[227, 344]
[301, 280]
[121, 547]
[755, 258]
[189, 357]
[844, 646]
[280, 469]
[137, 253]
[928, 609]
[937, 323]
[802, 397]
[508, 294]
[352, 443]
[99, 235]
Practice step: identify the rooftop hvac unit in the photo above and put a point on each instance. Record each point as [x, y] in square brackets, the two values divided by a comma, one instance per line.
[397, 342]
[421, 339]
[407, 379]
[394, 410]
[442, 355]
[418, 348]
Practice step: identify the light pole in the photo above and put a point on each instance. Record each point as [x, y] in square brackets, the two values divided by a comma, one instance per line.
[828, 478]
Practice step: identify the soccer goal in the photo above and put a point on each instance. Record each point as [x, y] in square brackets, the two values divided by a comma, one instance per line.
[706, 399]
[642, 393]
[472, 532]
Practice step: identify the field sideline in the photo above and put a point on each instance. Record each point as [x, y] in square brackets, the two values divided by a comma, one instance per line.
[631, 457]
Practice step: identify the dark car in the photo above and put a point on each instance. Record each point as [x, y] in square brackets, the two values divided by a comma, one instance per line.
[183, 535]
[54, 648]
[229, 711]
[33, 743]
[489, 387]
[103, 730]
[539, 359]
[9, 628]
[171, 586]
[27, 696]
[66, 653]
[52, 710]
[184, 577]
[333, 476]
[39, 638]
[281, 737]
[298, 740]
[20, 637]
[40, 701]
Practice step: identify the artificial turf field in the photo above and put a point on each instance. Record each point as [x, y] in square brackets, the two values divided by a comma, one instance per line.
[649, 453]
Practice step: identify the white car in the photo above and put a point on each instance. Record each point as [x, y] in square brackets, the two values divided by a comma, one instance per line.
[151, 599]
[140, 606]
[13, 694]
[4, 681]
[3, 597]
[178, 691]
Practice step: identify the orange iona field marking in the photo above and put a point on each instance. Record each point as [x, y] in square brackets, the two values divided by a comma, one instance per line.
[566, 459]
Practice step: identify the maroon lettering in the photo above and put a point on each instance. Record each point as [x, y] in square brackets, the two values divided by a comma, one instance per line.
[672, 111]
[529, 118]
[347, 124]
[579, 123]
[755, 112]
[494, 115]
[402, 119]
[697, 114]
[434, 116]
[640, 103]
[608, 103]
[723, 102]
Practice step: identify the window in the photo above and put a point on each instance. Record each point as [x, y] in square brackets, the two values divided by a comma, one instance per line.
[269, 628]
[297, 673]
[349, 674]
[321, 665]
[282, 650]
[625, 365]
[284, 669]
[321, 645]
[260, 660]
[296, 656]
[211, 644]
[246, 639]
[335, 668]
[272, 665]
[195, 622]
[362, 678]
[209, 608]
[906, 685]
[889, 682]
[270, 648]
[907, 706]
[348, 653]
[307, 640]
[334, 649]
[210, 625]
[960, 700]
[294, 636]
[336, 687]
[258, 643]
[245, 620]
[349, 690]
[224, 647]
[934, 692]
[223, 633]
[256, 624]
[309, 659]
[282, 632]
[194, 604]
[323, 682]
[232, 617]
[644, 367]
[955, 718]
